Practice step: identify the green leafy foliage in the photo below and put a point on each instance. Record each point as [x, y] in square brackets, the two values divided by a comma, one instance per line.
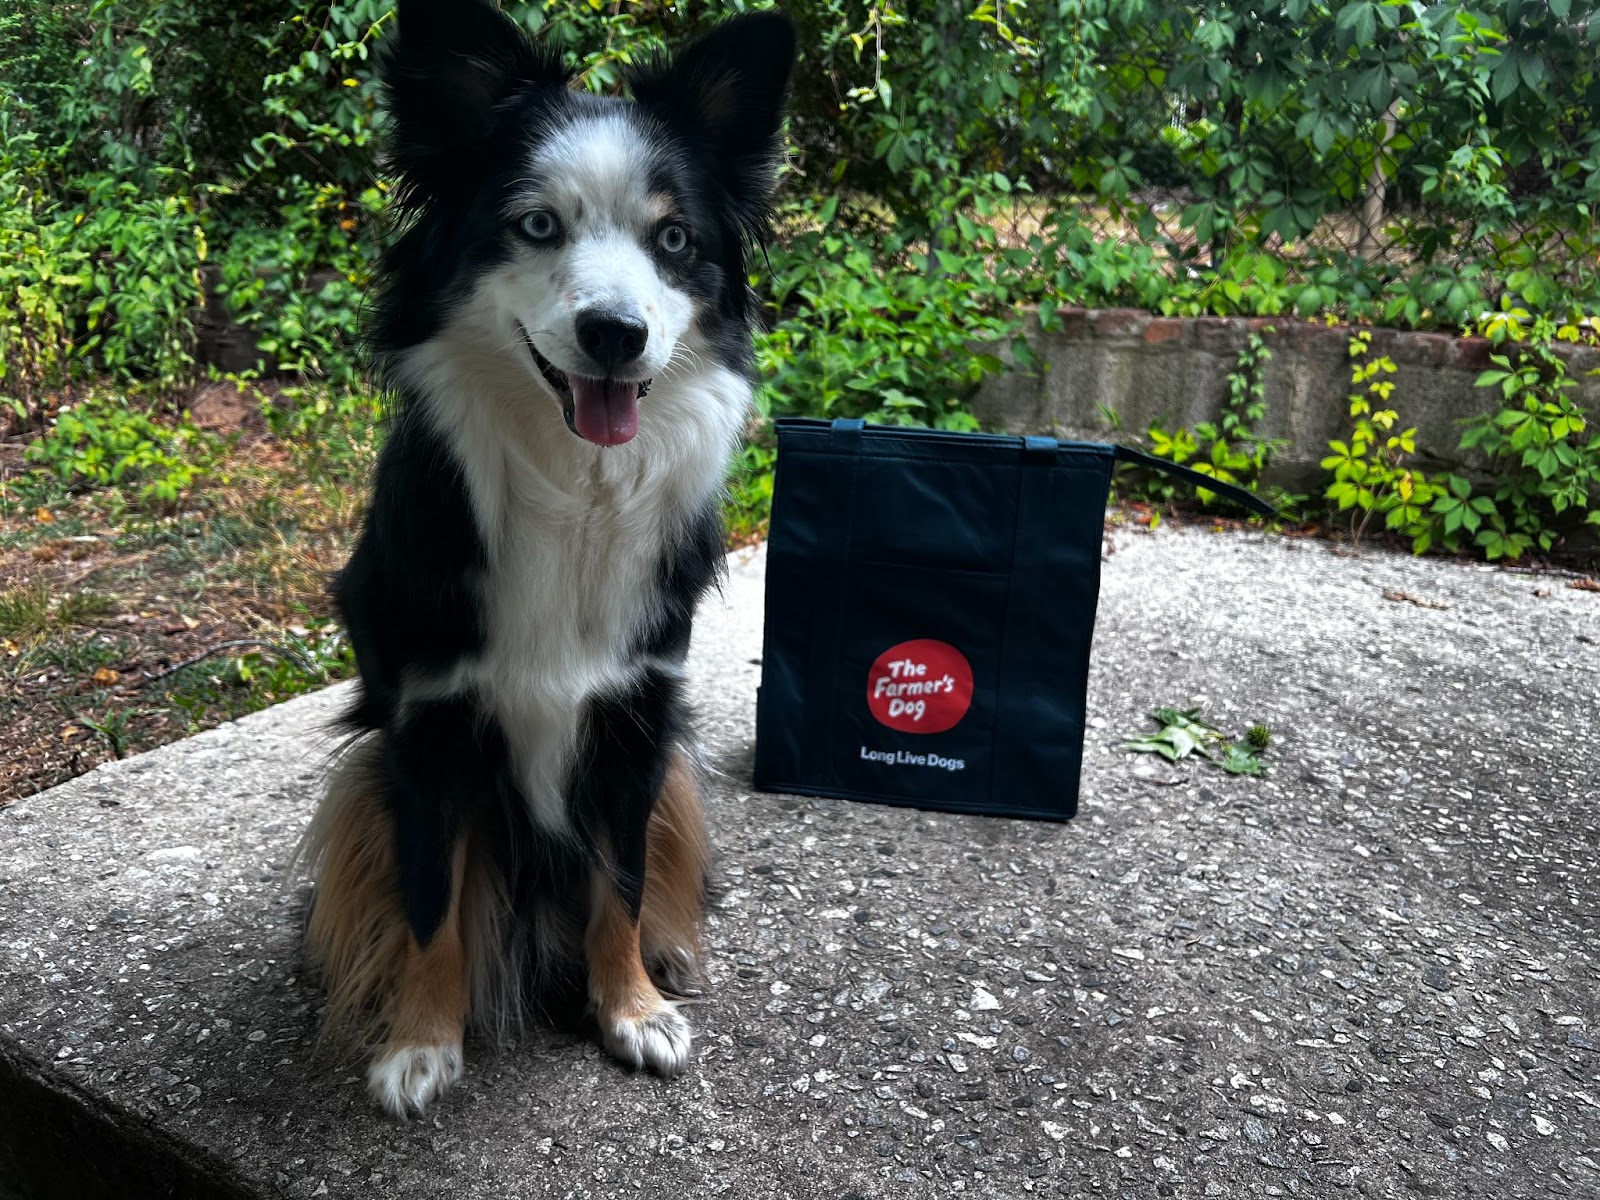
[1545, 462]
[1184, 731]
[1411, 165]
[748, 505]
[1067, 261]
[331, 426]
[1378, 161]
[103, 441]
[1230, 449]
[140, 143]
[260, 673]
[38, 271]
[297, 281]
[1239, 758]
[141, 284]
[1373, 472]
[1542, 463]
[862, 330]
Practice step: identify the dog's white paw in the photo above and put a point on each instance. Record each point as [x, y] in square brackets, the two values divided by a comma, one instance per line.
[658, 1040]
[406, 1079]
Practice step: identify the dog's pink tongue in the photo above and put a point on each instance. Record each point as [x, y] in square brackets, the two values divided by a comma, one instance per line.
[605, 411]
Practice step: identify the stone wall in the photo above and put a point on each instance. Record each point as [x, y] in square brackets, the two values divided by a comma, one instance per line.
[1144, 368]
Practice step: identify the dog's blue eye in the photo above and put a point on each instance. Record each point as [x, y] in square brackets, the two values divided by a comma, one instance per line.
[540, 225]
[674, 239]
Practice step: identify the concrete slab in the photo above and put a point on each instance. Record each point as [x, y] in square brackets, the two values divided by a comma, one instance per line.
[1373, 973]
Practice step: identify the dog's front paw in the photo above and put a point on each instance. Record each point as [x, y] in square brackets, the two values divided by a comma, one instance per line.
[406, 1079]
[677, 973]
[658, 1039]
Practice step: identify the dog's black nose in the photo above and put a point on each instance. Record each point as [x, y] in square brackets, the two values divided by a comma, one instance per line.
[613, 339]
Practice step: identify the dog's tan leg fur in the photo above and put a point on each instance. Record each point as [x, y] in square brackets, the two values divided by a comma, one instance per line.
[676, 858]
[378, 979]
[427, 1013]
[414, 1001]
[356, 934]
[638, 1025]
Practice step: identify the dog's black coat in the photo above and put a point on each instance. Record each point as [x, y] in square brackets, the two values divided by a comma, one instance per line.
[468, 93]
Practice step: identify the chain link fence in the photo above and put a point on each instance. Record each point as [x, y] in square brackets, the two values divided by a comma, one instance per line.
[1303, 194]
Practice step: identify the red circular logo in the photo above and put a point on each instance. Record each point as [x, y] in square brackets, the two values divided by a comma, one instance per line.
[921, 686]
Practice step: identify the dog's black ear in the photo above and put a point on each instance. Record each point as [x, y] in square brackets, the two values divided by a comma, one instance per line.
[729, 87]
[446, 65]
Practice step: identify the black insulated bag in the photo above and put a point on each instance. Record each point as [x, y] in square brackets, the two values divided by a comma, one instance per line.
[930, 601]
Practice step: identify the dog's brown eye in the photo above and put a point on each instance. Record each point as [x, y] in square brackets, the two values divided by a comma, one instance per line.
[674, 239]
[540, 225]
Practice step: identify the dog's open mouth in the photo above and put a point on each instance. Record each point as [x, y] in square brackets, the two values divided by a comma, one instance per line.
[602, 411]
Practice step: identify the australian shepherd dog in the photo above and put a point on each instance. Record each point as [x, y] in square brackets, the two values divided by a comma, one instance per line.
[564, 323]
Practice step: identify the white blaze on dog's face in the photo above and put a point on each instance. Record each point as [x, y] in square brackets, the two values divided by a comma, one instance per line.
[598, 280]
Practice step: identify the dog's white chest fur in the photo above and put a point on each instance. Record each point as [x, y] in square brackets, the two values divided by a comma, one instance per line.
[574, 536]
[567, 591]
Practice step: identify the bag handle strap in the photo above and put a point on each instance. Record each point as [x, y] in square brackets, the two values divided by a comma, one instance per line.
[1195, 478]
[847, 431]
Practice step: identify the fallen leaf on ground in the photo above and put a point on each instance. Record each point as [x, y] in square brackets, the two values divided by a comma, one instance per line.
[1408, 598]
[43, 515]
[1584, 585]
[1184, 731]
[105, 676]
[1242, 760]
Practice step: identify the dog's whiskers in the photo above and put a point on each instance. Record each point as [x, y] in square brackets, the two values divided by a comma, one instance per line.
[682, 359]
[521, 343]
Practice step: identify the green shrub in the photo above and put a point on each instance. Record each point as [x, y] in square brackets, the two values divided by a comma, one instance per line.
[1545, 463]
[865, 331]
[1230, 449]
[102, 441]
[1069, 262]
[1183, 158]
[1373, 472]
[141, 285]
[39, 272]
[748, 505]
[298, 283]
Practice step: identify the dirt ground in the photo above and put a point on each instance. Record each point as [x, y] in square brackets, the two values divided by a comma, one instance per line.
[123, 628]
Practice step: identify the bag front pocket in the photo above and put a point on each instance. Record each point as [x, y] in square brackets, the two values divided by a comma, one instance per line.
[906, 710]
